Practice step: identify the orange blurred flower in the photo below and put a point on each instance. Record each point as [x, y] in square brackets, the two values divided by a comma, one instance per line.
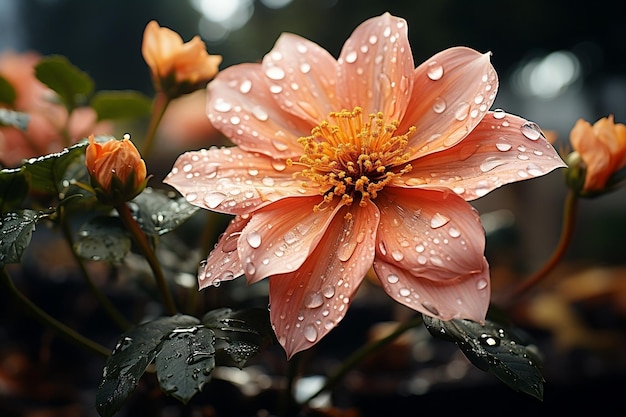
[177, 68]
[344, 164]
[602, 148]
[117, 171]
[50, 127]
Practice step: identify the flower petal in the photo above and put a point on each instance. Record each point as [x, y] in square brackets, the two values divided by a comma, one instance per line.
[241, 106]
[451, 93]
[233, 181]
[301, 75]
[280, 237]
[223, 261]
[502, 149]
[466, 297]
[308, 303]
[376, 67]
[433, 234]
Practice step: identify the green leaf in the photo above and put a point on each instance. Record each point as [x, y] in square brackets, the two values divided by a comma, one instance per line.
[243, 332]
[46, 173]
[496, 349]
[16, 230]
[14, 119]
[158, 214]
[186, 361]
[7, 92]
[103, 238]
[121, 104]
[133, 353]
[13, 188]
[70, 83]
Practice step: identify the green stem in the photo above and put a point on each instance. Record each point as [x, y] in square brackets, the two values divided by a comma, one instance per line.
[567, 230]
[45, 318]
[109, 308]
[160, 104]
[286, 400]
[142, 241]
[363, 352]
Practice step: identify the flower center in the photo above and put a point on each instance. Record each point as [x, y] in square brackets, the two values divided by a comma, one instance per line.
[352, 156]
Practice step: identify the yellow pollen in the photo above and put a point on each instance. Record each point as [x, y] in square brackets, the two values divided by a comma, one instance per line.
[351, 156]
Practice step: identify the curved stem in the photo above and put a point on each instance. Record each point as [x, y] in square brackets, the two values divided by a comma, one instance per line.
[362, 353]
[569, 220]
[48, 320]
[161, 101]
[109, 308]
[142, 241]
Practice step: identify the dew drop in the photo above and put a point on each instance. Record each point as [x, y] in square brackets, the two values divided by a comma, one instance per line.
[438, 220]
[531, 131]
[328, 291]
[392, 278]
[502, 146]
[439, 106]
[260, 114]
[454, 232]
[499, 114]
[222, 105]
[245, 86]
[253, 239]
[351, 57]
[279, 165]
[490, 164]
[462, 111]
[275, 73]
[313, 300]
[305, 68]
[213, 200]
[481, 284]
[397, 255]
[310, 333]
[404, 292]
[435, 71]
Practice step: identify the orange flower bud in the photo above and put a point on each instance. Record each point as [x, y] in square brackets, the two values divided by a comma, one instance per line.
[177, 68]
[117, 171]
[602, 148]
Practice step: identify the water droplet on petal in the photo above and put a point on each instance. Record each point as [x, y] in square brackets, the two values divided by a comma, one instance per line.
[313, 300]
[351, 57]
[439, 106]
[454, 232]
[491, 163]
[502, 146]
[435, 71]
[275, 73]
[392, 278]
[328, 291]
[222, 106]
[310, 333]
[245, 86]
[253, 239]
[438, 220]
[531, 131]
[462, 111]
[213, 200]
[481, 284]
[499, 114]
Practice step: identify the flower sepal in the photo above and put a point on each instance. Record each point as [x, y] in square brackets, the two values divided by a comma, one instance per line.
[119, 191]
[576, 173]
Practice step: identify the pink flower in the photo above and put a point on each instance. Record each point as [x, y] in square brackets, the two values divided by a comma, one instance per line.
[321, 193]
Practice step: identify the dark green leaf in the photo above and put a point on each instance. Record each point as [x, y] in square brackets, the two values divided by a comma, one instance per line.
[70, 83]
[7, 92]
[14, 119]
[186, 361]
[103, 238]
[243, 332]
[494, 348]
[133, 353]
[46, 173]
[16, 230]
[121, 104]
[158, 214]
[13, 188]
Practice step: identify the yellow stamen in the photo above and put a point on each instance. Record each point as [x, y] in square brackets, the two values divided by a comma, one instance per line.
[352, 156]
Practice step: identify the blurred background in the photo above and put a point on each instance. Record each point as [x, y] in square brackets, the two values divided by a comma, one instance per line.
[558, 61]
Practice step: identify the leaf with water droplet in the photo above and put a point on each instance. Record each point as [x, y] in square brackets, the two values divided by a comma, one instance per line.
[243, 332]
[135, 350]
[186, 361]
[158, 213]
[498, 349]
[103, 238]
[16, 229]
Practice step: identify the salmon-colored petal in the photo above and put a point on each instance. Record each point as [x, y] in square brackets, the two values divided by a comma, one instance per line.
[301, 76]
[241, 106]
[308, 303]
[223, 262]
[279, 237]
[376, 67]
[502, 149]
[233, 181]
[433, 234]
[466, 297]
[451, 93]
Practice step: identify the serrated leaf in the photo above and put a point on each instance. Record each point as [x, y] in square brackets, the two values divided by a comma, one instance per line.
[69, 82]
[186, 361]
[131, 356]
[7, 92]
[243, 332]
[14, 119]
[496, 349]
[13, 188]
[16, 229]
[120, 104]
[103, 238]
[158, 214]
